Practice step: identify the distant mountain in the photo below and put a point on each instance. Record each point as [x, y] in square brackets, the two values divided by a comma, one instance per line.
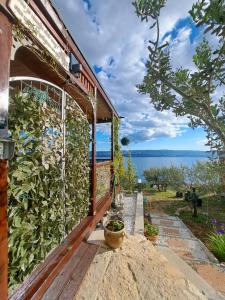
[159, 153]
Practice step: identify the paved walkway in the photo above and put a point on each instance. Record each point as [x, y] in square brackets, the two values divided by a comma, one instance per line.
[175, 235]
[129, 212]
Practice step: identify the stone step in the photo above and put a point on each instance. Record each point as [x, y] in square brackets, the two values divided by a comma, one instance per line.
[190, 274]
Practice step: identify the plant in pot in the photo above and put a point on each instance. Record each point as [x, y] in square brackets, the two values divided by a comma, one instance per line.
[114, 233]
[151, 232]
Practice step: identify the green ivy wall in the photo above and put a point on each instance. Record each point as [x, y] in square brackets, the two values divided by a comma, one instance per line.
[48, 179]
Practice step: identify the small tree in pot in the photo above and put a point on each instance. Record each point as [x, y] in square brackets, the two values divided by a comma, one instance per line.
[114, 233]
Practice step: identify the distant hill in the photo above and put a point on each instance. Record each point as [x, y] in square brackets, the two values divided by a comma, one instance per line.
[159, 153]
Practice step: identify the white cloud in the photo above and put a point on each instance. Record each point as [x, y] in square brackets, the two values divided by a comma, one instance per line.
[111, 30]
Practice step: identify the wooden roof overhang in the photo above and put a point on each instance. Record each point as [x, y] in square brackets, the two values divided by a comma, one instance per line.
[79, 88]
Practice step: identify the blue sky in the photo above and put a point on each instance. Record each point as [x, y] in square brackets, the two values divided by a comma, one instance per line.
[114, 42]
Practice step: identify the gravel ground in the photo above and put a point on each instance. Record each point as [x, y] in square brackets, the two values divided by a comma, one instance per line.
[129, 211]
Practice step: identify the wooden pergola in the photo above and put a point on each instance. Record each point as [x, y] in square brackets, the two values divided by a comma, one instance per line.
[18, 60]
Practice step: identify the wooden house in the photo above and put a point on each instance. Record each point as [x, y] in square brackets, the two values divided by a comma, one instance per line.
[50, 103]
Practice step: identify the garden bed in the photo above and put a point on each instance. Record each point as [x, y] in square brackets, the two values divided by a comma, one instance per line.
[212, 211]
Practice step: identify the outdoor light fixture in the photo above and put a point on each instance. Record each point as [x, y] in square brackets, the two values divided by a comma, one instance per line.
[7, 148]
[75, 67]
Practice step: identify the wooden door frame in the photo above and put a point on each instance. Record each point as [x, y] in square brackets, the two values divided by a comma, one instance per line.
[5, 52]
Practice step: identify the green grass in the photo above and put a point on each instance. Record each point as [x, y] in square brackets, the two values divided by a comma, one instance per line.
[215, 207]
[188, 215]
[155, 195]
[217, 245]
[173, 206]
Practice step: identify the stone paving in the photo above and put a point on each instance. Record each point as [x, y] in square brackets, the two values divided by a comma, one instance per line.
[129, 212]
[174, 234]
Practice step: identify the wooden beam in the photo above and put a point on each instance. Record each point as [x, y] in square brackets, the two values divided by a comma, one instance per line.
[93, 161]
[112, 155]
[5, 49]
[112, 139]
[48, 18]
[3, 232]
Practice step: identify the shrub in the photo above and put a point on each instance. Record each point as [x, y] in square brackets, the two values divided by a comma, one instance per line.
[217, 245]
[115, 225]
[151, 230]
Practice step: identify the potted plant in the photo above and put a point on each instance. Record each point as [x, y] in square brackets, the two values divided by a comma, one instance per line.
[114, 233]
[151, 232]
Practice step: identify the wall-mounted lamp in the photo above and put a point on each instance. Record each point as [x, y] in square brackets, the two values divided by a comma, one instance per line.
[75, 67]
[7, 148]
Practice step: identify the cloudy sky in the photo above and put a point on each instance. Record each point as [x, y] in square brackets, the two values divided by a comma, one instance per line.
[114, 42]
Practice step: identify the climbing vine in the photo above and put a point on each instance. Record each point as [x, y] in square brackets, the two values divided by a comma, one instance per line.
[76, 164]
[103, 181]
[118, 157]
[45, 203]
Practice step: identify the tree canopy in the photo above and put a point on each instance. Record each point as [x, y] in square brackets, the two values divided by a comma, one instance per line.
[187, 92]
[162, 177]
[125, 141]
[129, 178]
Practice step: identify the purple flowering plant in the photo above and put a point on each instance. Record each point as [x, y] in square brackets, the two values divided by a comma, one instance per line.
[218, 227]
[214, 222]
[217, 240]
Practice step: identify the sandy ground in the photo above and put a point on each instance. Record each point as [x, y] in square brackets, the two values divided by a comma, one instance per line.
[135, 271]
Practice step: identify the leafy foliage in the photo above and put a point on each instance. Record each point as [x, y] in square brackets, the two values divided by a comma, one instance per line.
[184, 91]
[118, 167]
[44, 202]
[115, 225]
[76, 164]
[103, 181]
[217, 245]
[151, 230]
[208, 176]
[125, 141]
[129, 177]
[173, 176]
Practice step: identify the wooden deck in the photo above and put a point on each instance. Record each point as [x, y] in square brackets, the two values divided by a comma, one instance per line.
[37, 285]
[67, 283]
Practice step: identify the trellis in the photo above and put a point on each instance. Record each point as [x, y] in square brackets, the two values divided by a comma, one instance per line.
[49, 175]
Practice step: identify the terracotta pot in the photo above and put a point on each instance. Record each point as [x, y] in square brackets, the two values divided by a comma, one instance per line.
[152, 238]
[114, 239]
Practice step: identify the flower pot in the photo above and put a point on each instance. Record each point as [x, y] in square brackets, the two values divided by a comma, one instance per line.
[114, 239]
[152, 238]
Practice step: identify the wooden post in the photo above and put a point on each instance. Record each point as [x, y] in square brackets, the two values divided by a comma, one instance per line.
[5, 49]
[93, 160]
[112, 153]
[3, 231]
[112, 138]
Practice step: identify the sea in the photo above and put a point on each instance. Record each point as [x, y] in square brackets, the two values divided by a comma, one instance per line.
[144, 159]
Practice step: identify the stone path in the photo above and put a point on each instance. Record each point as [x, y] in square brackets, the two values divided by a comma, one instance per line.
[174, 234]
[129, 212]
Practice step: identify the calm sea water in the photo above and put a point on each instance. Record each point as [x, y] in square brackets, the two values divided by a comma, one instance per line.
[143, 163]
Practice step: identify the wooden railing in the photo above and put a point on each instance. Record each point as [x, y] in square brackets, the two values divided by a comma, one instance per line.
[104, 176]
